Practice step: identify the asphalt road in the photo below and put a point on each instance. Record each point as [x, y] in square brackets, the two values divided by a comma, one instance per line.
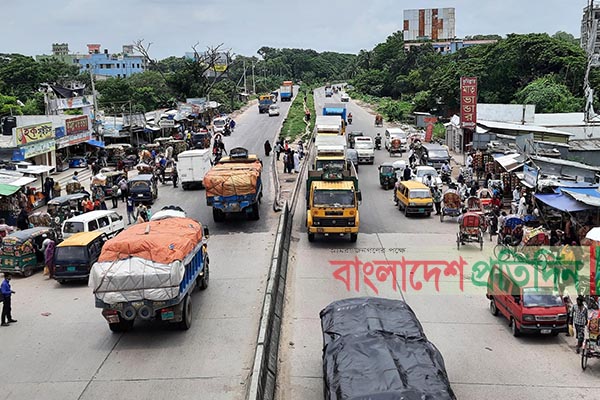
[482, 358]
[61, 347]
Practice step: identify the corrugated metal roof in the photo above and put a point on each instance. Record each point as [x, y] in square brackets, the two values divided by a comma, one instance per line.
[590, 196]
[567, 163]
[522, 128]
[560, 119]
[584, 144]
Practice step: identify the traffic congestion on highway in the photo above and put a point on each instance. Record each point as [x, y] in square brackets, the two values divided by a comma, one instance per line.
[389, 218]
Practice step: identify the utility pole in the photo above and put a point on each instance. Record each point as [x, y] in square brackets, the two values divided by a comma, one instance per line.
[245, 88]
[96, 121]
[253, 80]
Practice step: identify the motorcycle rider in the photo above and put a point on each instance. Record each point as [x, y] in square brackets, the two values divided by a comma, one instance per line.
[446, 172]
[350, 119]
[378, 141]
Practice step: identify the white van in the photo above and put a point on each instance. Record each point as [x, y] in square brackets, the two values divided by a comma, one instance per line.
[396, 133]
[109, 222]
[192, 165]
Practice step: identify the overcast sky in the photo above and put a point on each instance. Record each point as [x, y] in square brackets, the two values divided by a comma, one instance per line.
[173, 26]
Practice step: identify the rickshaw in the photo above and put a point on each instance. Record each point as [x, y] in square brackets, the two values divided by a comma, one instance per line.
[470, 230]
[107, 180]
[162, 141]
[591, 344]
[116, 152]
[387, 175]
[143, 188]
[21, 251]
[452, 205]
[485, 197]
[144, 168]
[474, 204]
[166, 174]
[511, 231]
[378, 120]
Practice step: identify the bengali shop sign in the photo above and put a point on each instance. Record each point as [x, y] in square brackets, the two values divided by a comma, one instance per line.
[77, 125]
[26, 135]
[468, 102]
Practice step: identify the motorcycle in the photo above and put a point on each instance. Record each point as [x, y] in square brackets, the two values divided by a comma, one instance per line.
[446, 177]
[226, 131]
[378, 143]
[349, 120]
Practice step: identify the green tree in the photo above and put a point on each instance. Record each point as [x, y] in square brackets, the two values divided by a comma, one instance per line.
[549, 96]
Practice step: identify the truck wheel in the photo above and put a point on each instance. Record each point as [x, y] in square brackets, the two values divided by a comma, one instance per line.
[353, 237]
[205, 278]
[255, 213]
[184, 186]
[311, 237]
[218, 215]
[122, 326]
[186, 314]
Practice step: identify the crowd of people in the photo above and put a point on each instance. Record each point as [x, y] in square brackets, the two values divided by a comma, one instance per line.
[291, 157]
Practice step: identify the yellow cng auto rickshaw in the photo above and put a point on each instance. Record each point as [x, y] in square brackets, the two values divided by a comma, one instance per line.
[21, 251]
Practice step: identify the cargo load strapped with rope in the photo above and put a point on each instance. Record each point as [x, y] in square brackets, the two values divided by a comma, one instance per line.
[149, 271]
[234, 185]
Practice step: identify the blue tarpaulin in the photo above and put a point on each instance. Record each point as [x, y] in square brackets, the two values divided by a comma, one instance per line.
[95, 143]
[562, 202]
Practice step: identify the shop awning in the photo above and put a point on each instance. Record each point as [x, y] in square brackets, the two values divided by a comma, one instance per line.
[16, 180]
[95, 143]
[562, 202]
[7, 190]
[589, 196]
[510, 162]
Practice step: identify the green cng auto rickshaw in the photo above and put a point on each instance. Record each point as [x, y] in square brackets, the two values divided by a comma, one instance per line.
[387, 175]
[21, 251]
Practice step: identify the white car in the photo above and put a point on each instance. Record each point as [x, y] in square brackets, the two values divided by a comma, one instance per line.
[422, 171]
[219, 125]
[273, 110]
[344, 97]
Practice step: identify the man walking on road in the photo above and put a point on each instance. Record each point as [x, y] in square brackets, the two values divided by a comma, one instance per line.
[7, 293]
[580, 319]
[130, 210]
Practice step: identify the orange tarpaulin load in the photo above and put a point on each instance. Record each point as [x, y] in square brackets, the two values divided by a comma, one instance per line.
[232, 179]
[163, 241]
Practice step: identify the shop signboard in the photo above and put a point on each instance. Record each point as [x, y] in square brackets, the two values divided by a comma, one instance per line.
[77, 125]
[166, 123]
[74, 102]
[468, 102]
[530, 175]
[72, 140]
[59, 132]
[32, 150]
[26, 135]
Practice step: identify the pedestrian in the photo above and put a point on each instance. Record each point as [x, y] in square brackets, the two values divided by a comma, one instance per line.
[98, 204]
[115, 195]
[437, 200]
[406, 174]
[301, 149]
[48, 188]
[95, 168]
[7, 293]
[130, 210]
[290, 161]
[580, 319]
[285, 162]
[124, 186]
[278, 149]
[296, 156]
[142, 213]
[522, 208]
[49, 256]
[23, 220]
[428, 181]
[75, 178]
[148, 213]
[267, 148]
[175, 175]
[469, 161]
[569, 307]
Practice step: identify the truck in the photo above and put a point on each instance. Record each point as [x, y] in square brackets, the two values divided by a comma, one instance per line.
[365, 147]
[264, 102]
[192, 166]
[328, 124]
[234, 185]
[336, 109]
[330, 149]
[332, 199]
[149, 272]
[286, 91]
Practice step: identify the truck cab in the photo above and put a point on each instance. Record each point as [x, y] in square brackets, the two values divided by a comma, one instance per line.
[264, 102]
[332, 201]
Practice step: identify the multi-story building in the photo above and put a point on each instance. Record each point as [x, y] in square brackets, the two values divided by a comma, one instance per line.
[101, 63]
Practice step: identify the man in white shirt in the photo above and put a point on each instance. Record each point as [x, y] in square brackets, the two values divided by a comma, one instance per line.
[469, 161]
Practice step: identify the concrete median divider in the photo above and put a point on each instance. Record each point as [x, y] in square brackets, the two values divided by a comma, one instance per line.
[264, 371]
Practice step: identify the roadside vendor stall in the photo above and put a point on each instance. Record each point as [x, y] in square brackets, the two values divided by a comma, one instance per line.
[9, 204]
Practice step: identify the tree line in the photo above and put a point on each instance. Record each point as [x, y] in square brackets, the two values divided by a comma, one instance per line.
[539, 69]
[169, 80]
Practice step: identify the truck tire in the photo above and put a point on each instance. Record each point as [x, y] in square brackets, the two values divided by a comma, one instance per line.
[184, 186]
[353, 237]
[255, 213]
[186, 314]
[218, 215]
[204, 280]
[122, 326]
[27, 272]
[311, 237]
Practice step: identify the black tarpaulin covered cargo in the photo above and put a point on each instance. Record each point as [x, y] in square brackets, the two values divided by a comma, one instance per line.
[375, 349]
